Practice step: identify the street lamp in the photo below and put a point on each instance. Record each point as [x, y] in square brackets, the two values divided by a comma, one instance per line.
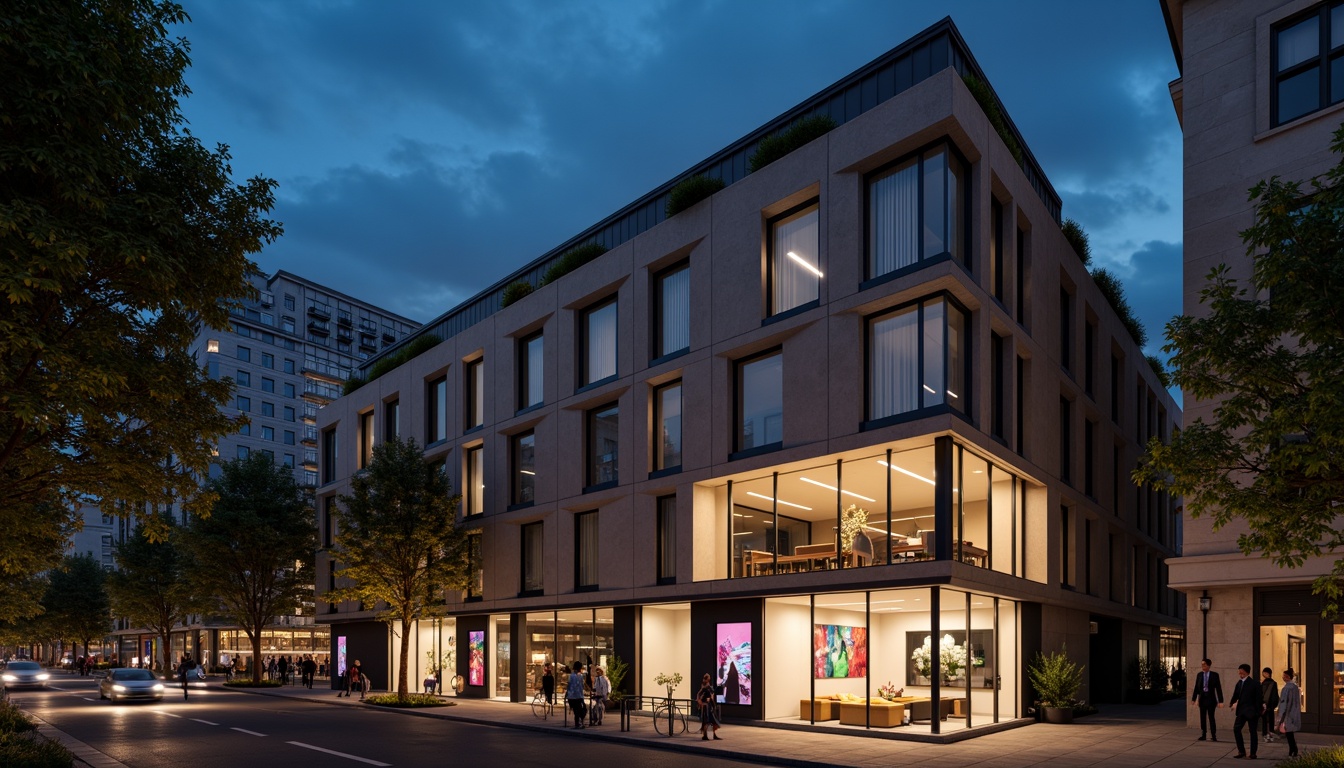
[1205, 603]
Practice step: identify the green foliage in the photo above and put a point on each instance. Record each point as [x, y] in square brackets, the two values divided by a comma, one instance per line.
[149, 586]
[413, 349]
[76, 600]
[515, 291]
[399, 543]
[120, 236]
[21, 744]
[244, 555]
[568, 262]
[690, 191]
[985, 97]
[1267, 353]
[1146, 675]
[1163, 375]
[777, 145]
[1325, 757]
[1114, 292]
[1055, 678]
[617, 669]
[13, 719]
[1078, 240]
[409, 701]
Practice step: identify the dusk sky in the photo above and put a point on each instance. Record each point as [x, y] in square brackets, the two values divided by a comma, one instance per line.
[425, 149]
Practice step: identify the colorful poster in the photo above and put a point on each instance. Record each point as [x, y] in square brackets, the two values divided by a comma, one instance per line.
[340, 656]
[839, 651]
[476, 670]
[733, 677]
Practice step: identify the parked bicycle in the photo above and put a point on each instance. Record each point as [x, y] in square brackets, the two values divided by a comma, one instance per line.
[666, 715]
[541, 707]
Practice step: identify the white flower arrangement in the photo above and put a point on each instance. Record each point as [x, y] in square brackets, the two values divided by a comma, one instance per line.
[951, 657]
[671, 681]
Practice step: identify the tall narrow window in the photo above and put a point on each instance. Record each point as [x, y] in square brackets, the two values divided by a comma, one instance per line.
[917, 359]
[475, 480]
[524, 459]
[365, 455]
[1023, 279]
[667, 539]
[1115, 388]
[1066, 546]
[667, 426]
[585, 551]
[436, 410]
[599, 342]
[328, 521]
[531, 558]
[476, 585]
[794, 259]
[391, 420]
[999, 384]
[530, 362]
[996, 248]
[475, 374]
[1065, 440]
[1089, 458]
[672, 316]
[1089, 357]
[1020, 436]
[603, 445]
[1065, 328]
[329, 455]
[245, 354]
[760, 401]
[916, 211]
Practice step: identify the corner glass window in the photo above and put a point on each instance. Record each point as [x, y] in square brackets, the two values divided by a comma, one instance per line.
[916, 211]
[794, 259]
[599, 343]
[672, 293]
[603, 444]
[1308, 63]
[760, 401]
[530, 354]
[916, 359]
[524, 461]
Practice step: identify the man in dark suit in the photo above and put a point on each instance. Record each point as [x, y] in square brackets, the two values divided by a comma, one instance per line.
[1248, 702]
[1208, 696]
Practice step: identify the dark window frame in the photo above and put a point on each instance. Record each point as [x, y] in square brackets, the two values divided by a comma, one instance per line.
[885, 169]
[657, 316]
[523, 530]
[656, 443]
[525, 371]
[997, 260]
[474, 391]
[580, 518]
[391, 420]
[590, 448]
[470, 453]
[922, 411]
[666, 572]
[515, 469]
[738, 365]
[770, 224]
[584, 316]
[434, 411]
[1325, 55]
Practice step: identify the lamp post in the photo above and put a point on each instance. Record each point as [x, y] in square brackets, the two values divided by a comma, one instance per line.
[1205, 603]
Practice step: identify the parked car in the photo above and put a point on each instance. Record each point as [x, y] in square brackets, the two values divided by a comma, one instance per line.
[121, 684]
[24, 674]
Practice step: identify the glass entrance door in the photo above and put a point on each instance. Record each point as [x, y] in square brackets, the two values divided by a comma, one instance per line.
[1335, 709]
[1284, 646]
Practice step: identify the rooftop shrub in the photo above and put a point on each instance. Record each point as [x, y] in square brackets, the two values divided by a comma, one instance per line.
[777, 145]
[1163, 375]
[417, 346]
[567, 262]
[690, 191]
[515, 291]
[1115, 296]
[1073, 232]
[990, 105]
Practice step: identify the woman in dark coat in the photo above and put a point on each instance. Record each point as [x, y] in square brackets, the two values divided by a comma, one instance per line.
[1289, 720]
[709, 709]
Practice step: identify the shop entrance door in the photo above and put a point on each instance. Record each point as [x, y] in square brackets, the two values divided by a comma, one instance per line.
[1332, 667]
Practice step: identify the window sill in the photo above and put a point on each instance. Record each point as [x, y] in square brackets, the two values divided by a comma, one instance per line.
[531, 593]
[520, 505]
[665, 472]
[901, 418]
[433, 445]
[757, 451]
[473, 517]
[587, 588]
[530, 408]
[1295, 122]
[669, 356]
[910, 269]
[664, 581]
[596, 384]
[600, 486]
[473, 598]
[473, 430]
[786, 314]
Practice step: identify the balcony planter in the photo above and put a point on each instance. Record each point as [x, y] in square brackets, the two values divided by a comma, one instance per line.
[1059, 715]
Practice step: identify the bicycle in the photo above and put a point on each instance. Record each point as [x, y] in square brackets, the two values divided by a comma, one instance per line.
[665, 716]
[455, 684]
[540, 706]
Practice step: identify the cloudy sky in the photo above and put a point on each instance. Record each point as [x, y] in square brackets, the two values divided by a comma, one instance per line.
[424, 149]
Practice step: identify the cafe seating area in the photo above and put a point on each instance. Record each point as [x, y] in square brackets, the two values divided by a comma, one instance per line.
[877, 712]
[865, 552]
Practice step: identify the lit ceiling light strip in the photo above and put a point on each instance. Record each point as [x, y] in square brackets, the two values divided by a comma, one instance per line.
[832, 488]
[527, 472]
[895, 468]
[930, 390]
[804, 263]
[780, 501]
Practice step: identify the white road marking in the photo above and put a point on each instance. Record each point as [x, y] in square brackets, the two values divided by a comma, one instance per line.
[250, 733]
[199, 720]
[170, 714]
[338, 754]
[86, 698]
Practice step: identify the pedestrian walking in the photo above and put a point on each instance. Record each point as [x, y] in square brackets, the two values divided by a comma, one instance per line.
[1248, 703]
[601, 690]
[574, 693]
[309, 670]
[1290, 711]
[283, 667]
[708, 701]
[1208, 696]
[183, 671]
[1269, 689]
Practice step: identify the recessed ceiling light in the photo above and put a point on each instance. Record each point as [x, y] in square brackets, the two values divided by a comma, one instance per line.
[778, 501]
[820, 484]
[804, 263]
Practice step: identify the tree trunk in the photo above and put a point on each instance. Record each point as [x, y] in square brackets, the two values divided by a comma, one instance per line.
[167, 653]
[255, 637]
[403, 675]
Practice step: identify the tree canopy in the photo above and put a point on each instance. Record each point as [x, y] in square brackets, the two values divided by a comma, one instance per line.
[76, 600]
[120, 236]
[398, 540]
[149, 587]
[1269, 354]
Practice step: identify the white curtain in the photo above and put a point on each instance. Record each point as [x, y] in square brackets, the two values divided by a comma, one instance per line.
[475, 481]
[935, 216]
[894, 385]
[601, 343]
[1300, 42]
[934, 353]
[676, 309]
[893, 216]
[587, 542]
[792, 283]
[535, 362]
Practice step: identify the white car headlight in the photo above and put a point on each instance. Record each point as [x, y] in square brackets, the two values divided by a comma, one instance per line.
[119, 688]
[43, 676]
[11, 678]
[158, 686]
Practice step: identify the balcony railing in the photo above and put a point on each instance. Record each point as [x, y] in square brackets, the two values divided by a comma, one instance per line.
[318, 326]
[318, 389]
[318, 310]
[343, 318]
[309, 412]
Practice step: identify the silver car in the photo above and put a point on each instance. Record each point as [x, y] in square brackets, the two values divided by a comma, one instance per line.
[24, 674]
[123, 684]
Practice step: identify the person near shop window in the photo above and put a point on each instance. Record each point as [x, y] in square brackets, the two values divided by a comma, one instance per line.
[708, 702]
[574, 693]
[1290, 711]
[1269, 689]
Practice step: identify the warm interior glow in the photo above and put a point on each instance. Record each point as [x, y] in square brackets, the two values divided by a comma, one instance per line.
[804, 263]
[906, 472]
[780, 501]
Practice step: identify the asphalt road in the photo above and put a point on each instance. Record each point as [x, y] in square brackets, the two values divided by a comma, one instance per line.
[218, 728]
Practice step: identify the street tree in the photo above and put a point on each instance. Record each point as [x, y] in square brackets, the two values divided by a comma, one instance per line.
[120, 237]
[1268, 353]
[149, 586]
[77, 600]
[398, 543]
[252, 557]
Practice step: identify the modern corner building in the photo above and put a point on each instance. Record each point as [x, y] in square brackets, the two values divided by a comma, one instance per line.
[658, 451]
[288, 353]
[1260, 94]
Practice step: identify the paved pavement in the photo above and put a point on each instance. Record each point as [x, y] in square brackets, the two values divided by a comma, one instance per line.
[1124, 736]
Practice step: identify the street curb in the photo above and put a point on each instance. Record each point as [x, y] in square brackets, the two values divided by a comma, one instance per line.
[83, 752]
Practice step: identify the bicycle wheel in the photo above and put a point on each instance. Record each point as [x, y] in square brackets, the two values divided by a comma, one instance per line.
[539, 707]
[455, 683]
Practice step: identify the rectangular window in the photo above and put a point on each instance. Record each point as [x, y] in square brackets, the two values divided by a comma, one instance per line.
[916, 211]
[289, 366]
[603, 445]
[585, 551]
[328, 455]
[267, 385]
[436, 410]
[244, 404]
[245, 430]
[760, 401]
[999, 385]
[667, 426]
[530, 368]
[524, 460]
[268, 433]
[1021, 392]
[475, 480]
[244, 379]
[672, 313]
[289, 437]
[245, 354]
[267, 360]
[1023, 279]
[1115, 478]
[243, 452]
[1065, 440]
[599, 342]
[1066, 546]
[531, 558]
[287, 324]
[475, 393]
[289, 457]
[268, 409]
[365, 455]
[328, 521]
[794, 259]
[1065, 329]
[667, 540]
[289, 302]
[1089, 357]
[476, 586]
[916, 359]
[1089, 458]
[996, 249]
[1115, 388]
[1307, 63]
[288, 412]
[289, 390]
[391, 420]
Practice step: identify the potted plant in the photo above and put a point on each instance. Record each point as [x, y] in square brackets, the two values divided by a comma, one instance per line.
[889, 691]
[617, 669]
[1056, 680]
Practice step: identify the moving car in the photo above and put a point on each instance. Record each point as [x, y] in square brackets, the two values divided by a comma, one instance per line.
[122, 684]
[24, 674]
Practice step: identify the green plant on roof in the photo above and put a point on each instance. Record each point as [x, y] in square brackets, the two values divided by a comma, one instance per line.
[515, 291]
[568, 262]
[1163, 375]
[413, 349]
[777, 145]
[1115, 296]
[990, 105]
[690, 191]
[1077, 237]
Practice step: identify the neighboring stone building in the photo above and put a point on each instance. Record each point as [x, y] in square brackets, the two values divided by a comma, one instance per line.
[657, 450]
[1259, 95]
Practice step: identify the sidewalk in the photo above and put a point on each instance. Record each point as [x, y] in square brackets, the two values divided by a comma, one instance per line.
[1124, 736]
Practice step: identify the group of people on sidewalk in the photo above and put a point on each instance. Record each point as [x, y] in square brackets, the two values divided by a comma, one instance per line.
[597, 687]
[1276, 710]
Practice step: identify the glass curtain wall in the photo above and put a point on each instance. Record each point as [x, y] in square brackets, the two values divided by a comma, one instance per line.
[916, 211]
[917, 359]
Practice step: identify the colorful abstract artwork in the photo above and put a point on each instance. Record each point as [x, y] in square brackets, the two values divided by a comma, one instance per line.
[733, 677]
[839, 651]
[340, 656]
[476, 668]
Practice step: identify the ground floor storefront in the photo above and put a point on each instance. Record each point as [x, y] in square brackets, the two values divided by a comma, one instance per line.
[221, 646]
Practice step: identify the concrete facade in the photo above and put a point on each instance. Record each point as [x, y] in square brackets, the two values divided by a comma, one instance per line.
[1223, 100]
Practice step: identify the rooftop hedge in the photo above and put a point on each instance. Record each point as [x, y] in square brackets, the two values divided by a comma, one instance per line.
[515, 291]
[568, 262]
[777, 145]
[418, 346]
[990, 106]
[690, 191]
